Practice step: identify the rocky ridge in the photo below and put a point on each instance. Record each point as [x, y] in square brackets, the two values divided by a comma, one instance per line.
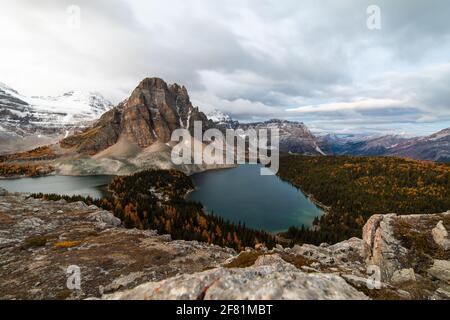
[399, 257]
[136, 134]
[295, 137]
[435, 147]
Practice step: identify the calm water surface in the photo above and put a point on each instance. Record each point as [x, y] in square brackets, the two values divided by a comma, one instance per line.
[261, 202]
[240, 195]
[64, 185]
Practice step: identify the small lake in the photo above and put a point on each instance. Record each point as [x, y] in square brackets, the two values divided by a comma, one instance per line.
[93, 186]
[261, 202]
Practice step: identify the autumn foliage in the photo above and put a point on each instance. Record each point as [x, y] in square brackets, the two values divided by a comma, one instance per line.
[358, 187]
[155, 199]
[41, 153]
[30, 170]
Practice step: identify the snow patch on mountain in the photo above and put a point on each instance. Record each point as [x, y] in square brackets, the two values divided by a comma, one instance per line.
[70, 108]
[49, 118]
[218, 116]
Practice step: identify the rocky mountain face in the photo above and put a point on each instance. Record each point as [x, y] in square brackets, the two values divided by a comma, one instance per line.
[435, 147]
[152, 112]
[27, 122]
[399, 257]
[295, 137]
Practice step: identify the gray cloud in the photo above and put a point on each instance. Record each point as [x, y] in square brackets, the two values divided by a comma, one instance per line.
[254, 59]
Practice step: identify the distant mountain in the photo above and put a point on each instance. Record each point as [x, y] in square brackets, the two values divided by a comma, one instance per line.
[222, 120]
[136, 134]
[295, 137]
[30, 121]
[362, 145]
[435, 147]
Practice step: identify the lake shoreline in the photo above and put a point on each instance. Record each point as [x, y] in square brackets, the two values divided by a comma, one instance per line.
[93, 186]
[261, 202]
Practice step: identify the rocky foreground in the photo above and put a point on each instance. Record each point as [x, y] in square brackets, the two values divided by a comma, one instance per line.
[399, 257]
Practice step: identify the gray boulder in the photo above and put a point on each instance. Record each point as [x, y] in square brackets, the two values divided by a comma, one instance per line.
[381, 248]
[440, 270]
[403, 276]
[269, 279]
[105, 219]
[440, 236]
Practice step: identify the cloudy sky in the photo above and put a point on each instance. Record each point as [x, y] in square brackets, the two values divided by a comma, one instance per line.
[313, 61]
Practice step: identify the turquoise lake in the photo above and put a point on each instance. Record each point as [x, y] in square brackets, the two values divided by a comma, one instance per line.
[241, 194]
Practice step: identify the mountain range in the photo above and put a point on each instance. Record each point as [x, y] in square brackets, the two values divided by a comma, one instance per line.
[435, 147]
[92, 136]
[295, 137]
[29, 121]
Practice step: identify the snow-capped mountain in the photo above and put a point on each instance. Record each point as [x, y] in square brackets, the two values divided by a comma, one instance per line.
[29, 121]
[218, 116]
[435, 147]
[361, 145]
[222, 120]
[295, 137]
[70, 108]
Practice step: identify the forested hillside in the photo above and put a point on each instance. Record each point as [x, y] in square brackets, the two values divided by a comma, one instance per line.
[358, 187]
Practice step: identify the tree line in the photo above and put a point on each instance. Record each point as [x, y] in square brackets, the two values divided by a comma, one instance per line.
[358, 187]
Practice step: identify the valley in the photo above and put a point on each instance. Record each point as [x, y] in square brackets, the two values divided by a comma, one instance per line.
[118, 169]
[239, 151]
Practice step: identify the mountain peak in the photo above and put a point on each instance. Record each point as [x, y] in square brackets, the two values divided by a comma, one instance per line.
[152, 112]
[218, 116]
[152, 82]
